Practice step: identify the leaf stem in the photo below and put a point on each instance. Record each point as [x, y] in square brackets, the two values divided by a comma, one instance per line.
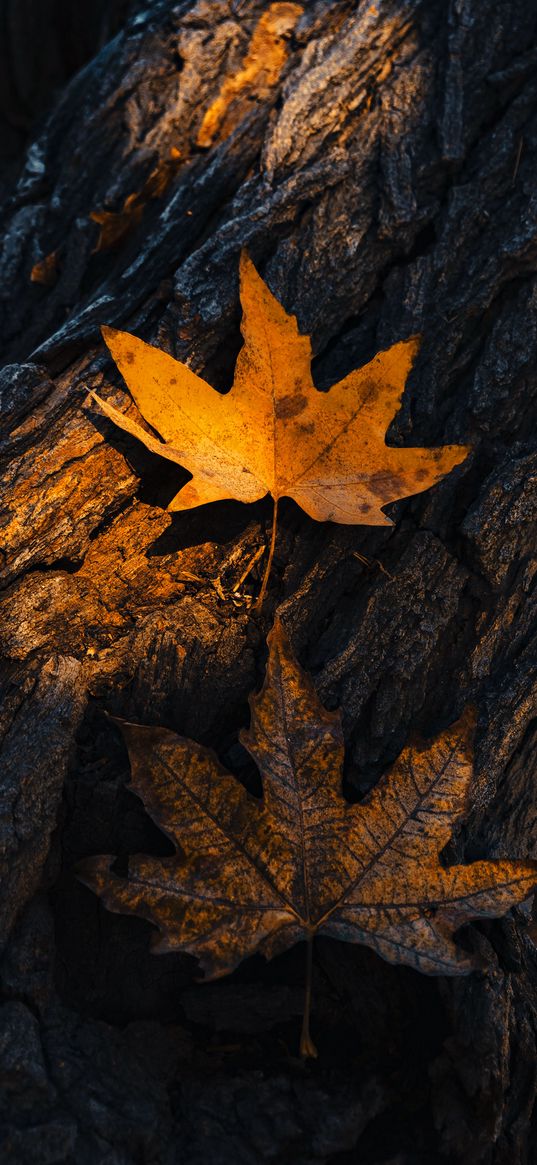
[266, 575]
[307, 1046]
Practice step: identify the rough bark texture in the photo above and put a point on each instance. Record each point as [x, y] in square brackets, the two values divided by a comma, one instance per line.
[384, 185]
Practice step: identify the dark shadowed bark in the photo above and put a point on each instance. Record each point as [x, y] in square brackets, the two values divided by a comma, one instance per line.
[384, 183]
[42, 43]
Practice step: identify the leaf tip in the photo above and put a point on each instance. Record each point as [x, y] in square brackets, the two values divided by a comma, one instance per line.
[112, 338]
[278, 639]
[248, 272]
[465, 728]
[413, 344]
[461, 452]
[92, 870]
[380, 518]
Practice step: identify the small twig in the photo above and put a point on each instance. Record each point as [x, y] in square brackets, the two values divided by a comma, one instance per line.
[307, 1046]
[216, 583]
[251, 564]
[517, 162]
[189, 577]
[369, 562]
[264, 584]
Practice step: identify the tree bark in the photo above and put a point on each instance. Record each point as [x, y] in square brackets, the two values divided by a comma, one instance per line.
[382, 178]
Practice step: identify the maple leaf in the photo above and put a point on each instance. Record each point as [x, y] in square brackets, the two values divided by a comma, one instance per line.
[259, 876]
[274, 432]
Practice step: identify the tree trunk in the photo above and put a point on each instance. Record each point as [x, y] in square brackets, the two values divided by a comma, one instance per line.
[380, 169]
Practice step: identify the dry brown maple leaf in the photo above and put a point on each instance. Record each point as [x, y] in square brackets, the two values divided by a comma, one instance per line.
[259, 876]
[274, 432]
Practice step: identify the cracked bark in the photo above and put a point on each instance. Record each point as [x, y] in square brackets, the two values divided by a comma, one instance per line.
[384, 187]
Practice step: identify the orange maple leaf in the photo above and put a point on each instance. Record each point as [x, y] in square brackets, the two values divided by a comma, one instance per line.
[274, 432]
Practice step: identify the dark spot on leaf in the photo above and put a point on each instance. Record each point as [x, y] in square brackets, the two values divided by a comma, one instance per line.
[290, 406]
[385, 485]
[371, 390]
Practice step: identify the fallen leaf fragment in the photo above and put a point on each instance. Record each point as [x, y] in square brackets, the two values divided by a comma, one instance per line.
[116, 224]
[274, 432]
[259, 73]
[45, 271]
[162, 174]
[250, 876]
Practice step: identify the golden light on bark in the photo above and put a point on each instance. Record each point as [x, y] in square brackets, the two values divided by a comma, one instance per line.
[259, 73]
